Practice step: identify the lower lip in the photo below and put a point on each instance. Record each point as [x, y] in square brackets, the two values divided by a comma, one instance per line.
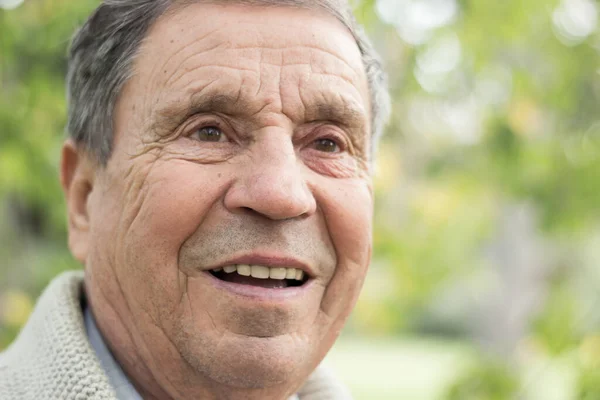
[260, 293]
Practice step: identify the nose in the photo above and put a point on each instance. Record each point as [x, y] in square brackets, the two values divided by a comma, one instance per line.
[271, 183]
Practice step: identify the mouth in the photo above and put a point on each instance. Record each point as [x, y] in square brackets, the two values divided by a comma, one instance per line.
[261, 276]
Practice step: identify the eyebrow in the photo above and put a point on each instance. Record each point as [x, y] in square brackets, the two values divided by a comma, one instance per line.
[173, 114]
[343, 112]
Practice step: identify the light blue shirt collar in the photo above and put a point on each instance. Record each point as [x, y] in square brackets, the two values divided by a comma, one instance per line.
[116, 376]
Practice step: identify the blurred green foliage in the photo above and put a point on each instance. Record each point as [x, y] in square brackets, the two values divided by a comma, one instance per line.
[487, 224]
[486, 381]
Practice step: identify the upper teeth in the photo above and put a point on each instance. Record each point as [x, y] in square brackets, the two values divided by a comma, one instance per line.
[263, 272]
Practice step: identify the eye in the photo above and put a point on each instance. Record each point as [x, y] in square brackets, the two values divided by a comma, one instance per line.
[326, 146]
[209, 134]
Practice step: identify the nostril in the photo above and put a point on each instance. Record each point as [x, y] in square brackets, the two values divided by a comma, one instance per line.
[249, 211]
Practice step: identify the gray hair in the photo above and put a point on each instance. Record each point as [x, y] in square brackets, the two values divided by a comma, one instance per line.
[103, 49]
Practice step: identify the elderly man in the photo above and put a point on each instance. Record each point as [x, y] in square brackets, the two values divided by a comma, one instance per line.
[218, 185]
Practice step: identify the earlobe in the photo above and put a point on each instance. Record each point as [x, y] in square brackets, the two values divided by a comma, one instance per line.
[77, 180]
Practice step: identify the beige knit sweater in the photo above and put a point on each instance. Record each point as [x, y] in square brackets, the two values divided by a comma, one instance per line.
[52, 358]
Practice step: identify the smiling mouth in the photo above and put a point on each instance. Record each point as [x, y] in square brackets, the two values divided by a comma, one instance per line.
[260, 275]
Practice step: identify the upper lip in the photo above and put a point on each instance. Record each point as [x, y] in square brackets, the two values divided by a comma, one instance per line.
[271, 261]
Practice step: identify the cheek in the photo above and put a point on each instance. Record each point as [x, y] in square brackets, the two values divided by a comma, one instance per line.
[175, 198]
[347, 206]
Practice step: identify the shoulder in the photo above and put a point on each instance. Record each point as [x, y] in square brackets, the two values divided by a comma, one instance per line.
[52, 357]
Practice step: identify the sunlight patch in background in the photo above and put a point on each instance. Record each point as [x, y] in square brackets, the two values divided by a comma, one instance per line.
[416, 20]
[436, 62]
[575, 20]
[10, 4]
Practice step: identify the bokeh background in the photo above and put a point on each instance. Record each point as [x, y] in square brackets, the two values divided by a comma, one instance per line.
[486, 272]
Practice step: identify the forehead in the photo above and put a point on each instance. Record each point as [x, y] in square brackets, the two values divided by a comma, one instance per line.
[280, 59]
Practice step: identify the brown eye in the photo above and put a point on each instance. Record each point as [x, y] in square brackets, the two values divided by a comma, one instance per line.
[326, 146]
[209, 134]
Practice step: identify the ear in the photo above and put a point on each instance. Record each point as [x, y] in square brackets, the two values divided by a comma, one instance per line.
[77, 180]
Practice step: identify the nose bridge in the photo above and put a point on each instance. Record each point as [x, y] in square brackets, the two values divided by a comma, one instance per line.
[276, 154]
[272, 183]
[276, 170]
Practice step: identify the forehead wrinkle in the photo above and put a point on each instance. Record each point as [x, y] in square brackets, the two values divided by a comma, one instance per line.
[312, 47]
[213, 37]
[171, 20]
[165, 65]
[196, 69]
[223, 34]
[180, 70]
[208, 54]
[320, 64]
[256, 71]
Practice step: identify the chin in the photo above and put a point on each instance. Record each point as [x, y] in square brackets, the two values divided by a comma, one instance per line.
[247, 362]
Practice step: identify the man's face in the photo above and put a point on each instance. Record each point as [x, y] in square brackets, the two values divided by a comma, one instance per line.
[241, 141]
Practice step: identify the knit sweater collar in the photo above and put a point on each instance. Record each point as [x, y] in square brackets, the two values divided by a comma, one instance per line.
[52, 357]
